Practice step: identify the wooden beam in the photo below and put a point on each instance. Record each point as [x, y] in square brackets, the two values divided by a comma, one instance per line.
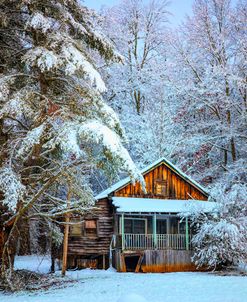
[155, 230]
[122, 231]
[104, 262]
[66, 234]
[122, 263]
[138, 266]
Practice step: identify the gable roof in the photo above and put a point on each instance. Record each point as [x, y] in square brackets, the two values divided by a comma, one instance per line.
[122, 183]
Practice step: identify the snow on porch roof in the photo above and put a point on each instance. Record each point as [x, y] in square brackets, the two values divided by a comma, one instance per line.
[149, 205]
[120, 184]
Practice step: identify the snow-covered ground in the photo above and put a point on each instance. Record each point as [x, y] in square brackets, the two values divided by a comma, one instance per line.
[109, 286]
[39, 264]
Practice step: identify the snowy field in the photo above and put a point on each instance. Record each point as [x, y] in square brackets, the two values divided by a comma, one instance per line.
[109, 286]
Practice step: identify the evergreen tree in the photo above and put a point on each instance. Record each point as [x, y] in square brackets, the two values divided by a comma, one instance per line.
[54, 124]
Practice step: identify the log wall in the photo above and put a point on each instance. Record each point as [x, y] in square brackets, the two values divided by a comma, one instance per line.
[177, 187]
[98, 245]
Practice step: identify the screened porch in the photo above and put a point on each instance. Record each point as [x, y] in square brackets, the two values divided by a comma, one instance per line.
[149, 224]
[152, 231]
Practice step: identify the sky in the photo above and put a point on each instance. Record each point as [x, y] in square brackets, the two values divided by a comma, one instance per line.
[178, 8]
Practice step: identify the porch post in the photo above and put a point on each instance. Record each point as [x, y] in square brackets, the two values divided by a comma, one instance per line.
[187, 233]
[122, 231]
[155, 230]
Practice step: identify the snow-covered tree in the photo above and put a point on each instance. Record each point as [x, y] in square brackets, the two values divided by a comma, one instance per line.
[138, 28]
[187, 100]
[208, 76]
[220, 236]
[54, 124]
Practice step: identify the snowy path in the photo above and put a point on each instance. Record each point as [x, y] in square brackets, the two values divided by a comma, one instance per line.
[99, 286]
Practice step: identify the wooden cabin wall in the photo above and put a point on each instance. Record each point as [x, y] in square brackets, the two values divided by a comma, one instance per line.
[93, 246]
[177, 187]
[159, 261]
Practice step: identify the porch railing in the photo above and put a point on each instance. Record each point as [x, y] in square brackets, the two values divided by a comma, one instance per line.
[151, 242]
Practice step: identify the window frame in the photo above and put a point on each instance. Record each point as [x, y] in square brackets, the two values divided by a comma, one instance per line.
[164, 192]
[132, 218]
[91, 235]
[76, 224]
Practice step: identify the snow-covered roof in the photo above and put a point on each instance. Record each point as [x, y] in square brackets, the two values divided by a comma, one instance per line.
[127, 180]
[147, 205]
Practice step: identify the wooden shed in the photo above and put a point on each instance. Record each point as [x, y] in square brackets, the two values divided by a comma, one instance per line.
[137, 231]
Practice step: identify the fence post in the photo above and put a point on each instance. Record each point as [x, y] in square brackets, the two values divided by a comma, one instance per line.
[122, 231]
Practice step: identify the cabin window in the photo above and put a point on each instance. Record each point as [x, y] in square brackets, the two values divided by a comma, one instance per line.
[75, 227]
[174, 222]
[135, 225]
[161, 187]
[182, 227]
[90, 228]
[161, 226]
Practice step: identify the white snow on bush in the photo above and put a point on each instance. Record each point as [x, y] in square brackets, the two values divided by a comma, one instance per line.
[100, 134]
[11, 187]
[41, 57]
[76, 61]
[109, 115]
[32, 138]
[221, 236]
[71, 58]
[68, 140]
[72, 134]
[4, 89]
[39, 21]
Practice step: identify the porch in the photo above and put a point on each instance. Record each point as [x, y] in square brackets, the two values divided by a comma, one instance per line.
[152, 232]
[154, 224]
[151, 237]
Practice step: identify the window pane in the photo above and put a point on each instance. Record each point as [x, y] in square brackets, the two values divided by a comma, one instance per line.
[161, 187]
[128, 226]
[174, 225]
[134, 226]
[90, 227]
[90, 224]
[76, 228]
[139, 227]
[161, 226]
[182, 227]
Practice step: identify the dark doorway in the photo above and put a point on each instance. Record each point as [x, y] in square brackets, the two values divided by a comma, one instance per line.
[131, 263]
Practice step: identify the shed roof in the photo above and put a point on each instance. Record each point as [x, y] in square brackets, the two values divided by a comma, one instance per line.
[147, 205]
[122, 183]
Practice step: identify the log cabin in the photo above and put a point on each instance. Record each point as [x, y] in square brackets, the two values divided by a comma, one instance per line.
[139, 231]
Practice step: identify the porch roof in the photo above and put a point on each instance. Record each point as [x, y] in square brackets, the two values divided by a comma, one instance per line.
[149, 205]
